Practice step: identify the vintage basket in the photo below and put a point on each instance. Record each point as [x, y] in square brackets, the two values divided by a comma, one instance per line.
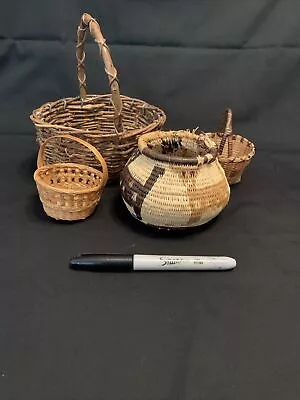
[234, 151]
[110, 122]
[69, 190]
[174, 180]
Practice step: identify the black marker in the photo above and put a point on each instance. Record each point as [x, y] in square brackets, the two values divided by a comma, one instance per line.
[143, 262]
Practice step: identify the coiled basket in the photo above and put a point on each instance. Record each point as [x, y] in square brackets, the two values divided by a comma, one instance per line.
[69, 190]
[174, 180]
[110, 122]
[235, 152]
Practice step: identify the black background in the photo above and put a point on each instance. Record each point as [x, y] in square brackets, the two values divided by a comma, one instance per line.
[68, 335]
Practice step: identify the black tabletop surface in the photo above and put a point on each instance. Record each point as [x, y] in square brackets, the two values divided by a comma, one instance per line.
[80, 335]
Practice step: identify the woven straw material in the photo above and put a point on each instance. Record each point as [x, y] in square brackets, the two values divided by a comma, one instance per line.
[177, 184]
[242, 152]
[112, 122]
[234, 151]
[69, 191]
[93, 122]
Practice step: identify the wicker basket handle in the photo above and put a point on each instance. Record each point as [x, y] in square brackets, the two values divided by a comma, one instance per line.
[41, 153]
[227, 133]
[88, 22]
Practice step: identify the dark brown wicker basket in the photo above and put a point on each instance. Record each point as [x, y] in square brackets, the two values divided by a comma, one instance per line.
[110, 122]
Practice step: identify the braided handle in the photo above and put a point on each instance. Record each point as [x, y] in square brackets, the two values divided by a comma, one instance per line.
[41, 153]
[227, 133]
[88, 22]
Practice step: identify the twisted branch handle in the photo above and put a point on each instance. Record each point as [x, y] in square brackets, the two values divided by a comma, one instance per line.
[88, 22]
[227, 133]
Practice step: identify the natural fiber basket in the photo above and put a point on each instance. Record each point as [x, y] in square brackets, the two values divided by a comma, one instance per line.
[234, 151]
[110, 122]
[69, 190]
[174, 180]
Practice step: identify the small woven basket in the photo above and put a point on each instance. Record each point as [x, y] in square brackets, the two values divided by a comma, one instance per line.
[234, 151]
[69, 190]
[110, 122]
[174, 180]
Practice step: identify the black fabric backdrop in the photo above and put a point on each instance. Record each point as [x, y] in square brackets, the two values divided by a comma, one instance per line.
[223, 336]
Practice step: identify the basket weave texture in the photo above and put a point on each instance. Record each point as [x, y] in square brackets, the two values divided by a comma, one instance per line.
[111, 122]
[174, 180]
[69, 191]
[235, 152]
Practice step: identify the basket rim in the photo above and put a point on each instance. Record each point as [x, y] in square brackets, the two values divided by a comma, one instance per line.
[65, 190]
[159, 119]
[233, 159]
[207, 158]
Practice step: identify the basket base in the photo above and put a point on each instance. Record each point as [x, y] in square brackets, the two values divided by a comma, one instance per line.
[68, 215]
[234, 180]
[233, 176]
[167, 227]
[178, 229]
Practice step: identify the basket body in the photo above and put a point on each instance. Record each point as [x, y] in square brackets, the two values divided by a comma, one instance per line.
[68, 191]
[110, 122]
[93, 122]
[173, 195]
[241, 152]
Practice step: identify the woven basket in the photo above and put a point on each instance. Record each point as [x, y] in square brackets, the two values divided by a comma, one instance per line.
[174, 180]
[69, 190]
[234, 151]
[110, 122]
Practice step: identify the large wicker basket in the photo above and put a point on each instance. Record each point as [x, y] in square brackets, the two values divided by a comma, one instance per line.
[69, 190]
[235, 152]
[110, 122]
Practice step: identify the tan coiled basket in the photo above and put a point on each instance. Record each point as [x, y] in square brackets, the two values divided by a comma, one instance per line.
[69, 190]
[174, 180]
[111, 122]
[234, 151]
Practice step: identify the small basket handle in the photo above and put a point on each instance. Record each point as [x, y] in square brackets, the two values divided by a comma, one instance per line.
[88, 22]
[41, 153]
[227, 132]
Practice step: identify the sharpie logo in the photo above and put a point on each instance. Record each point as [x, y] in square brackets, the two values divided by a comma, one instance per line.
[169, 261]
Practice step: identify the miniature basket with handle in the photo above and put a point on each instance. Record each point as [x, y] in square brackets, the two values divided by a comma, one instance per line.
[234, 151]
[110, 122]
[69, 190]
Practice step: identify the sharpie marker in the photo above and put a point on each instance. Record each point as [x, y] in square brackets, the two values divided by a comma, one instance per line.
[143, 262]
